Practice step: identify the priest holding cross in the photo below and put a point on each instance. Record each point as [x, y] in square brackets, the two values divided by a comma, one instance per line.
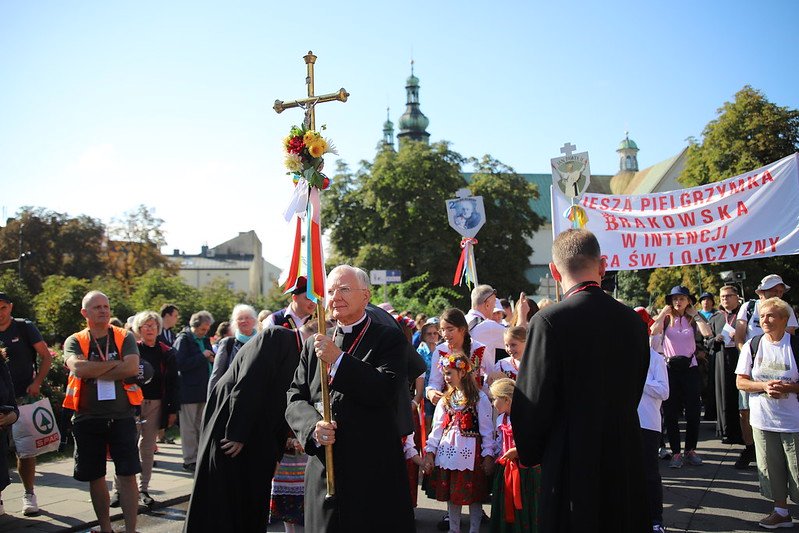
[343, 403]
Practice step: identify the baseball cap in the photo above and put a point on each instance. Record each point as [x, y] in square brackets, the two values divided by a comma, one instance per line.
[5, 298]
[301, 286]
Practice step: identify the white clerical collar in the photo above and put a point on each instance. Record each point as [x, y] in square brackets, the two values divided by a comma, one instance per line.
[348, 329]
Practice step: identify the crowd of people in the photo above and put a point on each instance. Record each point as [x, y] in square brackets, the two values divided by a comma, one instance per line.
[501, 405]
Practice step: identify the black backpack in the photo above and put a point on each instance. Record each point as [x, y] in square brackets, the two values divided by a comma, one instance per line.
[754, 344]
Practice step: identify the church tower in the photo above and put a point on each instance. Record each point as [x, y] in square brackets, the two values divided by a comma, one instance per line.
[413, 124]
[628, 154]
[388, 133]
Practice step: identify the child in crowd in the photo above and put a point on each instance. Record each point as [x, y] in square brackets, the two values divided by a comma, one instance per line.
[460, 446]
[515, 342]
[514, 501]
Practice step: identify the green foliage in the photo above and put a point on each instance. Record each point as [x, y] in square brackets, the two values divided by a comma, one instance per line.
[19, 294]
[748, 133]
[117, 296]
[55, 382]
[698, 279]
[631, 287]
[158, 287]
[58, 306]
[273, 300]
[510, 221]
[218, 299]
[392, 214]
[417, 295]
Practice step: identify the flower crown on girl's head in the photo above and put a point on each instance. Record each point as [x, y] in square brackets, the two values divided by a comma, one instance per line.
[456, 362]
[407, 322]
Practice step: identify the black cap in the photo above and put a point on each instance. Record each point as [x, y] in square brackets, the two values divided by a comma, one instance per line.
[302, 285]
[5, 298]
[706, 295]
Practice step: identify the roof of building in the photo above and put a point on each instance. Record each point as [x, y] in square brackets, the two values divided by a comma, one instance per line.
[626, 144]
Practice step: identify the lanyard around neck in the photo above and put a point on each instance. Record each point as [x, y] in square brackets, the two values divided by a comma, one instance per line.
[103, 356]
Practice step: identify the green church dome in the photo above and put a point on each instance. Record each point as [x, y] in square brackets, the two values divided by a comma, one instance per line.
[627, 144]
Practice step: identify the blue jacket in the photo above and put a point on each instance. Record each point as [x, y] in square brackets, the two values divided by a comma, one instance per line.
[193, 368]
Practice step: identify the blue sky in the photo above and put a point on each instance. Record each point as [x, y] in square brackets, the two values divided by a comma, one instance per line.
[107, 105]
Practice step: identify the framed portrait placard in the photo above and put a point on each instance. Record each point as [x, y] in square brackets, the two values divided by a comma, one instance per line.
[466, 214]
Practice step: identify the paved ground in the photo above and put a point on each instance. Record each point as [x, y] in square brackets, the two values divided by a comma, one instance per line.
[713, 497]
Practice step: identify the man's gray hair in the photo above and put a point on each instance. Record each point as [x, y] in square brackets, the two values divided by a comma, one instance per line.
[360, 274]
[88, 298]
[241, 309]
[480, 294]
[139, 320]
[199, 318]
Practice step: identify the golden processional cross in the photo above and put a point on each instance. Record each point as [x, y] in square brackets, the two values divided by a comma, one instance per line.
[308, 104]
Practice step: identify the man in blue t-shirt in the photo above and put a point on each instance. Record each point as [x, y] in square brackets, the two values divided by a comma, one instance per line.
[23, 342]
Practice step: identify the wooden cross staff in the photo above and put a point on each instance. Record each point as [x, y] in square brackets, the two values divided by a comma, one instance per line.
[308, 105]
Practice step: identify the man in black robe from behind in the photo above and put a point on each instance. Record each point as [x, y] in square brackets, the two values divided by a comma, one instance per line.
[574, 409]
[243, 436]
[367, 360]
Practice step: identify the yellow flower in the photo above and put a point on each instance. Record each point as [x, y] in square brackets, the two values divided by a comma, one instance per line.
[310, 137]
[317, 148]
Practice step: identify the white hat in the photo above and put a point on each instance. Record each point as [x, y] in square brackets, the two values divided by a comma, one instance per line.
[771, 281]
[498, 307]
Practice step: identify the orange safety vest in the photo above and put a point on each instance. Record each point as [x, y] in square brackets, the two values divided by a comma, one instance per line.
[72, 398]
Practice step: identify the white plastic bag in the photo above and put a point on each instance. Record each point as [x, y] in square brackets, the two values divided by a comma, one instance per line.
[36, 432]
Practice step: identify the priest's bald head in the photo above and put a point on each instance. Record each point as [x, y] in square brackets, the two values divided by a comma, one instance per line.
[576, 257]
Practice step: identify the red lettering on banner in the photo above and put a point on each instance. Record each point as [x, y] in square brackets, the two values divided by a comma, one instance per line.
[668, 221]
[653, 222]
[644, 203]
[742, 210]
[698, 197]
[707, 217]
[767, 177]
[747, 246]
[724, 212]
[760, 246]
[707, 255]
[723, 253]
[610, 222]
[735, 188]
[647, 260]
[687, 219]
[628, 240]
[751, 182]
[772, 242]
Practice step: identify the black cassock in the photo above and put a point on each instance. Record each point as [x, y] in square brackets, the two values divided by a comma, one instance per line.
[246, 405]
[575, 412]
[372, 492]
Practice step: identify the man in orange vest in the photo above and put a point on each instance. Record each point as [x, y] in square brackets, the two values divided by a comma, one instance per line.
[104, 363]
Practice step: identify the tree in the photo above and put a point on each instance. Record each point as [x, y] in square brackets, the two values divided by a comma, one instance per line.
[117, 297]
[134, 246]
[417, 295]
[748, 133]
[19, 294]
[631, 287]
[157, 287]
[391, 215]
[58, 306]
[510, 222]
[698, 279]
[59, 244]
[219, 299]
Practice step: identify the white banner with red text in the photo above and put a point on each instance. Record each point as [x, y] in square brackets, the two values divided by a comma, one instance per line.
[749, 216]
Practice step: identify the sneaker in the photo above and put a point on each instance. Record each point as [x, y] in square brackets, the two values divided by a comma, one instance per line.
[746, 457]
[443, 525]
[676, 461]
[693, 459]
[658, 528]
[29, 505]
[664, 453]
[114, 500]
[189, 467]
[775, 520]
[145, 498]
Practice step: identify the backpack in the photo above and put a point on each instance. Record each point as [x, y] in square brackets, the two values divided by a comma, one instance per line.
[754, 344]
[750, 310]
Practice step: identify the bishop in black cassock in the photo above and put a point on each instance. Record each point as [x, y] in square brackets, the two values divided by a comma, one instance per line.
[574, 411]
[368, 360]
[246, 407]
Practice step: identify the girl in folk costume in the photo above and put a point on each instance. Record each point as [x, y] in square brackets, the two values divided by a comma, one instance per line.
[455, 331]
[514, 501]
[461, 445]
[515, 342]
